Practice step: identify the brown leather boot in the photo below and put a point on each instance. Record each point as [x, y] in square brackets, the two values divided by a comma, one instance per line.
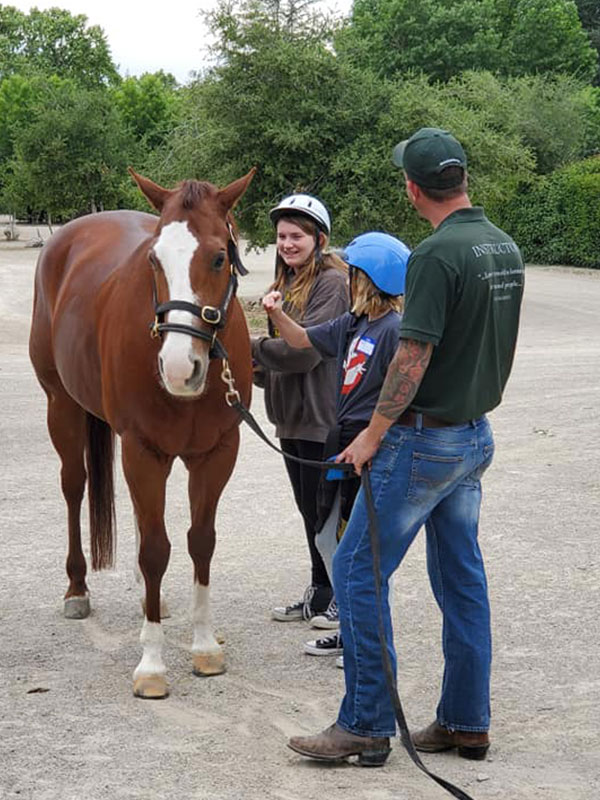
[434, 739]
[336, 744]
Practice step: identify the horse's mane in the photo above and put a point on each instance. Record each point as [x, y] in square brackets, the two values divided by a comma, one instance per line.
[193, 192]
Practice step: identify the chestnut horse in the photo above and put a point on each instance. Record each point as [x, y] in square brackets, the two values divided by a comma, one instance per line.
[134, 319]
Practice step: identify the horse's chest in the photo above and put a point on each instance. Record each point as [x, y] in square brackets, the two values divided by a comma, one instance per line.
[185, 432]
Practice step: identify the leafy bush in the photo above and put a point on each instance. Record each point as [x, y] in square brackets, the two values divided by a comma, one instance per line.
[555, 219]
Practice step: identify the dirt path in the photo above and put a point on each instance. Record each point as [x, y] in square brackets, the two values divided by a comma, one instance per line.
[69, 725]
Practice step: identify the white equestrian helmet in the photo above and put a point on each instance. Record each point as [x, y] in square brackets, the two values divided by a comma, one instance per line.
[306, 205]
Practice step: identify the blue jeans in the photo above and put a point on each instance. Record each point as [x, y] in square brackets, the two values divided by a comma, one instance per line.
[419, 476]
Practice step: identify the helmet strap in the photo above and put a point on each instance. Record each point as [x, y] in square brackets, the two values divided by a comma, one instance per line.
[318, 255]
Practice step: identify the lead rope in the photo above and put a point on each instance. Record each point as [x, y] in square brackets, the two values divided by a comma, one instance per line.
[233, 400]
[390, 678]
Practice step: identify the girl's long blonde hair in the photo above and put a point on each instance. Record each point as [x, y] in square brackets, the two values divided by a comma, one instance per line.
[367, 299]
[295, 294]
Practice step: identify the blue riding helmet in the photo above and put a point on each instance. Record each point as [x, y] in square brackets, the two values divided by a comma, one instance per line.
[382, 257]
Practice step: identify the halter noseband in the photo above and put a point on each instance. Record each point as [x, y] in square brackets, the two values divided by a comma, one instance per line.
[215, 317]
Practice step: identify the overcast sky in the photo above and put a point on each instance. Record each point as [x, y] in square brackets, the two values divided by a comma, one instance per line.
[150, 35]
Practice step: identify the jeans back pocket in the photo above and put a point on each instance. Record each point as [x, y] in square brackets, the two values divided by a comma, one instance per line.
[431, 474]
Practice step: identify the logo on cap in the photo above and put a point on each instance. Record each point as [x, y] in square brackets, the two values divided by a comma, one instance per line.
[427, 154]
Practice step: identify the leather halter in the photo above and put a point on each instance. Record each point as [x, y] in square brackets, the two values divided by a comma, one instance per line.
[216, 318]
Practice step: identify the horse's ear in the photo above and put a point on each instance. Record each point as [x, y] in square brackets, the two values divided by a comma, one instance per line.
[156, 195]
[230, 195]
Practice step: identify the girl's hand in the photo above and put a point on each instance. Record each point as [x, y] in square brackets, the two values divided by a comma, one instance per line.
[272, 302]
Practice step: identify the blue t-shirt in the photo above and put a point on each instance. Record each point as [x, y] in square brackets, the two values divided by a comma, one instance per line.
[363, 350]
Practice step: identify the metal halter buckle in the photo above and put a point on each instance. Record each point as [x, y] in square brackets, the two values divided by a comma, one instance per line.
[211, 315]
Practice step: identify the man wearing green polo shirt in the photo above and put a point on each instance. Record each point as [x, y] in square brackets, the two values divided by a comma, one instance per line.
[429, 443]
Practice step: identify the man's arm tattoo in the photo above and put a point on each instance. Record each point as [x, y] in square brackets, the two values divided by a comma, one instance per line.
[403, 378]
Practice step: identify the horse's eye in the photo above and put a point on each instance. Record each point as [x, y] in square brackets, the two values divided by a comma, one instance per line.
[153, 259]
[218, 260]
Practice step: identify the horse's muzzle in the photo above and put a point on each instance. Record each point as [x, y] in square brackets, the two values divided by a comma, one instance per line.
[184, 379]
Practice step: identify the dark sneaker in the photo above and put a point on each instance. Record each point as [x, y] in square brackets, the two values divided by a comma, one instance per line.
[315, 601]
[297, 611]
[291, 613]
[329, 619]
[327, 646]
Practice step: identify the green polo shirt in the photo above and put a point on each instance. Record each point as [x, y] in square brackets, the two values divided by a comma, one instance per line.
[464, 286]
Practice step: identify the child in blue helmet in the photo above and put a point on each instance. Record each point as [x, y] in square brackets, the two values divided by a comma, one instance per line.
[363, 341]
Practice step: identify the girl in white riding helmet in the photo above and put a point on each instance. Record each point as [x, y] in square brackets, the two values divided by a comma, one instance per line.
[300, 385]
[363, 341]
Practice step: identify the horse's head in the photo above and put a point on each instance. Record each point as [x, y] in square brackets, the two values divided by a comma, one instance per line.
[193, 257]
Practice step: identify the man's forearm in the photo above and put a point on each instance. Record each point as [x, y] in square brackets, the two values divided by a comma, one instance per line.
[404, 375]
[403, 378]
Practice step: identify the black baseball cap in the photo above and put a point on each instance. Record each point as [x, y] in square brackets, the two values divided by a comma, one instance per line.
[427, 154]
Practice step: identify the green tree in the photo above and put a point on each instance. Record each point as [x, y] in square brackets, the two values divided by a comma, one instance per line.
[279, 100]
[55, 42]
[439, 37]
[149, 105]
[546, 36]
[589, 14]
[71, 156]
[554, 117]
[17, 94]
[445, 37]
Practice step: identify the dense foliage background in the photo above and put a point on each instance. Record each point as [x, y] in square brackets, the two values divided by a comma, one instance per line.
[317, 103]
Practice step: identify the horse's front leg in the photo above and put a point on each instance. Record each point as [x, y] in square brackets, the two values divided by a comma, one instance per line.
[139, 578]
[146, 473]
[208, 477]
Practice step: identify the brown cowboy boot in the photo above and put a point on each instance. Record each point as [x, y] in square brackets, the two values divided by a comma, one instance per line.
[336, 744]
[435, 738]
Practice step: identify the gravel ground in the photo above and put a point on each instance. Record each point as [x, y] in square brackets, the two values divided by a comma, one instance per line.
[69, 724]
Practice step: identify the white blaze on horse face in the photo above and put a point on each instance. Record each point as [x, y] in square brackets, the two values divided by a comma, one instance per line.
[182, 368]
[204, 639]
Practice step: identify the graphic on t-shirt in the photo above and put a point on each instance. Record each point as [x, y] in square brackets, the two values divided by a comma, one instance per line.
[359, 352]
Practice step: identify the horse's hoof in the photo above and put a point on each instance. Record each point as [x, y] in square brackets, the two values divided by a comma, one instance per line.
[209, 663]
[77, 607]
[151, 687]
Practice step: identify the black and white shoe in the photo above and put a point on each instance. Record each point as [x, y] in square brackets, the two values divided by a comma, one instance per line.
[329, 619]
[327, 646]
[314, 602]
[297, 611]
